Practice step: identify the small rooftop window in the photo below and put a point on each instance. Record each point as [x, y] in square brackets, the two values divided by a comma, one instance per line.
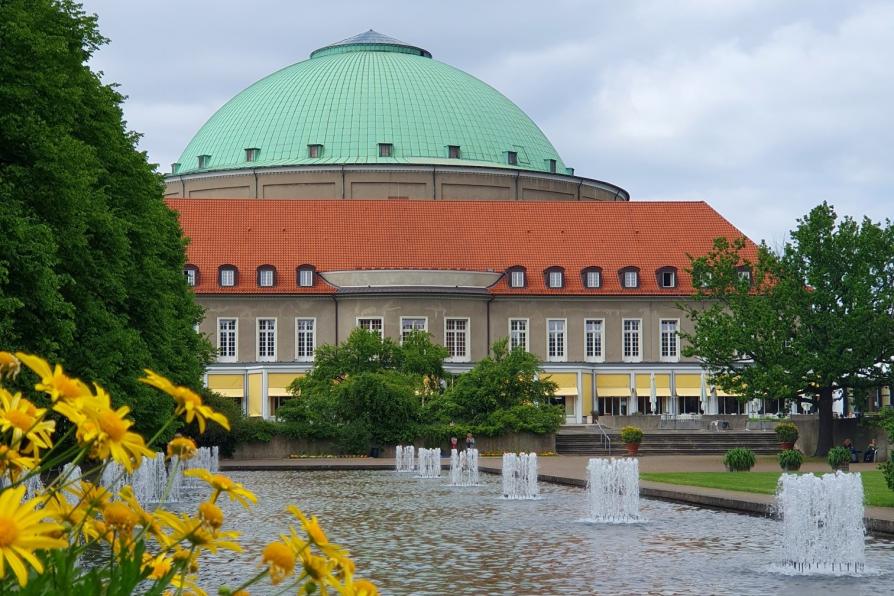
[667, 277]
[386, 149]
[555, 277]
[516, 277]
[266, 276]
[175, 167]
[191, 273]
[251, 153]
[453, 151]
[569, 171]
[629, 277]
[227, 276]
[204, 161]
[592, 277]
[315, 150]
[551, 165]
[512, 158]
[306, 276]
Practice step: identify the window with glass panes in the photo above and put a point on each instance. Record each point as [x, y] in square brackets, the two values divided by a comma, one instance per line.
[669, 339]
[456, 338]
[190, 274]
[226, 339]
[555, 279]
[555, 340]
[305, 339]
[517, 279]
[227, 277]
[631, 279]
[593, 339]
[518, 334]
[631, 339]
[306, 277]
[593, 279]
[266, 339]
[371, 324]
[409, 325]
[265, 278]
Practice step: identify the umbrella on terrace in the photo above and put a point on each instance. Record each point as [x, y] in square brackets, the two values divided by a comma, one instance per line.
[703, 395]
[653, 394]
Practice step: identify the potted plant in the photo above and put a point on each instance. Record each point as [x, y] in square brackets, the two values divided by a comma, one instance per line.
[787, 433]
[839, 458]
[790, 460]
[739, 460]
[631, 436]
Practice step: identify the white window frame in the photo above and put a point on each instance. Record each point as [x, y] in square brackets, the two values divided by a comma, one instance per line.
[313, 340]
[191, 276]
[601, 336]
[598, 276]
[527, 332]
[556, 279]
[513, 283]
[381, 320]
[635, 275]
[235, 356]
[675, 357]
[258, 339]
[305, 277]
[409, 318]
[467, 356]
[262, 273]
[639, 341]
[232, 273]
[563, 357]
[673, 278]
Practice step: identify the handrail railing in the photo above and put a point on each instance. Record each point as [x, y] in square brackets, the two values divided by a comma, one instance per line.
[606, 440]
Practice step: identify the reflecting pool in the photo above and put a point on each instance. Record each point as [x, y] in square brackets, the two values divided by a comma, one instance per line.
[422, 536]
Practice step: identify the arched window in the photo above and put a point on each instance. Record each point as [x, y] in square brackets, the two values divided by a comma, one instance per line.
[227, 276]
[306, 276]
[554, 277]
[266, 276]
[516, 277]
[666, 277]
[591, 277]
[629, 277]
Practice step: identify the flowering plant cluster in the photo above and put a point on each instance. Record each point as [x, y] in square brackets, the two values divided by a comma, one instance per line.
[74, 536]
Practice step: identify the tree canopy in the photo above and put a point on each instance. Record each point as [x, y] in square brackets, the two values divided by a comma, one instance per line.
[802, 322]
[91, 258]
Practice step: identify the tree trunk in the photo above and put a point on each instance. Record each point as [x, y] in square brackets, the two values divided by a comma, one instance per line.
[826, 422]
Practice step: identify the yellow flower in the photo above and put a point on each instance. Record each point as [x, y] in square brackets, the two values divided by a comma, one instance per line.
[317, 568]
[22, 532]
[26, 422]
[198, 533]
[280, 561]
[318, 537]
[183, 447]
[361, 587]
[160, 565]
[119, 517]
[9, 365]
[222, 484]
[189, 403]
[211, 514]
[53, 380]
[13, 462]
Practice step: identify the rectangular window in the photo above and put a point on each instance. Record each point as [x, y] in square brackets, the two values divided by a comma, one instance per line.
[668, 279]
[453, 151]
[305, 339]
[251, 154]
[551, 165]
[593, 279]
[670, 344]
[631, 340]
[226, 340]
[410, 324]
[456, 339]
[265, 278]
[190, 276]
[555, 279]
[385, 149]
[371, 324]
[306, 278]
[517, 279]
[512, 158]
[518, 334]
[555, 340]
[631, 279]
[745, 275]
[314, 150]
[227, 277]
[204, 161]
[266, 340]
[593, 340]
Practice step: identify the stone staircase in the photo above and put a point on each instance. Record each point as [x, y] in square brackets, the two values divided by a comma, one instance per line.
[586, 440]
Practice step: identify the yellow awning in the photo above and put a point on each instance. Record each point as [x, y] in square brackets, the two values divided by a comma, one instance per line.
[216, 382]
[230, 392]
[689, 385]
[644, 385]
[567, 382]
[566, 391]
[278, 383]
[613, 385]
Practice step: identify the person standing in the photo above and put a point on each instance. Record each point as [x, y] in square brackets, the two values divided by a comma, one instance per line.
[453, 443]
[470, 441]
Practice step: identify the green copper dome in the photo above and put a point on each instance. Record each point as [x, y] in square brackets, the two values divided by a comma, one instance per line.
[354, 95]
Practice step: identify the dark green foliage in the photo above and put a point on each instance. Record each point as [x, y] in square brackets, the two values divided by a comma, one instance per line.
[838, 456]
[786, 432]
[790, 459]
[887, 469]
[631, 434]
[818, 317]
[91, 258]
[739, 460]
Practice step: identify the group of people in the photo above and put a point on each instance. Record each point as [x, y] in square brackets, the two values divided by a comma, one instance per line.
[470, 442]
[868, 455]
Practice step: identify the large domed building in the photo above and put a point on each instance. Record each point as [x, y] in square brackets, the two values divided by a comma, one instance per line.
[291, 197]
[371, 117]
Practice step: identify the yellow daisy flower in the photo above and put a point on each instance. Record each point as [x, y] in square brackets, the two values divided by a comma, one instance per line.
[198, 533]
[183, 447]
[53, 380]
[14, 463]
[9, 365]
[280, 561]
[26, 422]
[22, 531]
[189, 403]
[159, 565]
[211, 514]
[222, 484]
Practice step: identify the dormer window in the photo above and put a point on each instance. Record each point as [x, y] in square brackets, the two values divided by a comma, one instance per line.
[453, 151]
[191, 272]
[315, 150]
[555, 277]
[667, 277]
[569, 171]
[305, 276]
[512, 158]
[744, 274]
[386, 149]
[629, 277]
[516, 277]
[227, 276]
[175, 167]
[252, 153]
[592, 277]
[204, 161]
[551, 166]
[266, 276]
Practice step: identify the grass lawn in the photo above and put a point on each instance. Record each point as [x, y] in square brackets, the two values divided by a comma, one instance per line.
[875, 491]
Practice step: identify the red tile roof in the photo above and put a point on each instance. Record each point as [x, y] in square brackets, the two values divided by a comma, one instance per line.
[337, 235]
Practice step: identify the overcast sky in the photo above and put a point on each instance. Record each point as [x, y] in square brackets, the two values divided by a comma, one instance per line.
[761, 108]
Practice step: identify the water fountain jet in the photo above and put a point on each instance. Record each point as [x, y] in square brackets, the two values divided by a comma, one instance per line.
[520, 476]
[429, 463]
[613, 490]
[464, 467]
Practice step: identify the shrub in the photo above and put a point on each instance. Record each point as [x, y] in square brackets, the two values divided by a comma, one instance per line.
[790, 460]
[739, 460]
[631, 434]
[839, 456]
[787, 432]
[887, 469]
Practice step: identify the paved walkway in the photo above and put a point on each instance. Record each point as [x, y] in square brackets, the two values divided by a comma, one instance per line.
[571, 470]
